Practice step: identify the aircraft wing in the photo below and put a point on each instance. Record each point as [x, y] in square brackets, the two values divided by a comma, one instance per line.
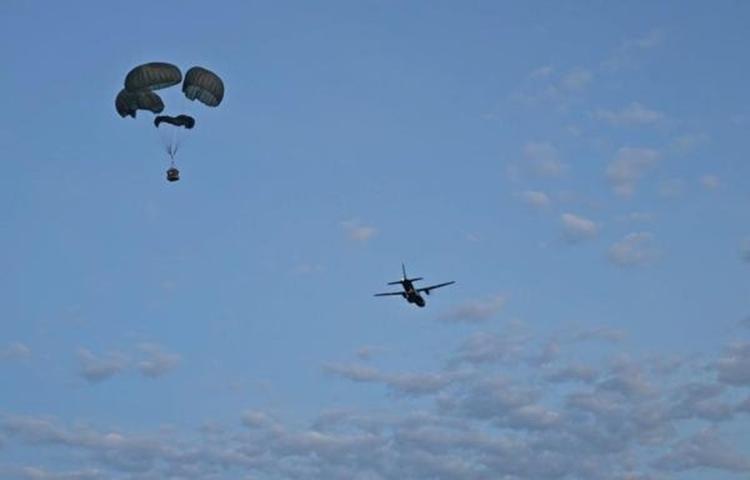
[389, 293]
[433, 287]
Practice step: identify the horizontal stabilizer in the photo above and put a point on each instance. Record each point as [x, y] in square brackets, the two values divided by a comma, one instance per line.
[401, 282]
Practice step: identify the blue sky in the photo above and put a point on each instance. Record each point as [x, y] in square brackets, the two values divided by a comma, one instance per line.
[580, 170]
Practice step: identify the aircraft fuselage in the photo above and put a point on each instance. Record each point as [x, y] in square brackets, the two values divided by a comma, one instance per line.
[411, 295]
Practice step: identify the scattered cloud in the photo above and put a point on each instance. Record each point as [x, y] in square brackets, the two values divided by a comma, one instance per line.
[702, 400]
[650, 39]
[256, 419]
[546, 85]
[475, 311]
[308, 268]
[633, 114]
[628, 167]
[705, 449]
[577, 229]
[745, 250]
[35, 473]
[734, 366]
[576, 80]
[601, 333]
[688, 143]
[535, 199]
[407, 384]
[633, 250]
[637, 217]
[542, 72]
[672, 188]
[608, 418]
[572, 373]
[151, 361]
[710, 182]
[156, 362]
[542, 160]
[95, 369]
[367, 352]
[357, 232]
[15, 351]
[473, 237]
[489, 347]
[626, 56]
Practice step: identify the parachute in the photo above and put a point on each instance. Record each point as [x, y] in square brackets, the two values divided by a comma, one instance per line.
[152, 76]
[128, 103]
[203, 85]
[140, 82]
[179, 121]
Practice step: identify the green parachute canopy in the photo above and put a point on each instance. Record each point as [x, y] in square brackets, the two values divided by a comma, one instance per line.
[179, 121]
[128, 103]
[152, 76]
[203, 85]
[140, 82]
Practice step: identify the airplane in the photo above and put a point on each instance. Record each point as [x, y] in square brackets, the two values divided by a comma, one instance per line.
[411, 294]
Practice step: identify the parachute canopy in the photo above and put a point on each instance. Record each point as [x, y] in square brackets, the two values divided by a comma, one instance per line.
[152, 76]
[179, 121]
[203, 85]
[140, 82]
[128, 103]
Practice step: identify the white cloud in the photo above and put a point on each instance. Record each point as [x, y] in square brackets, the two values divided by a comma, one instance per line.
[15, 351]
[542, 159]
[637, 217]
[577, 229]
[648, 40]
[35, 473]
[689, 142]
[308, 268]
[627, 54]
[156, 362]
[535, 199]
[357, 232]
[576, 80]
[475, 311]
[409, 384]
[629, 166]
[551, 421]
[745, 249]
[734, 366]
[258, 419]
[633, 114]
[672, 188]
[710, 182]
[541, 72]
[488, 348]
[601, 333]
[572, 373]
[702, 400]
[96, 369]
[152, 361]
[366, 352]
[634, 249]
[705, 449]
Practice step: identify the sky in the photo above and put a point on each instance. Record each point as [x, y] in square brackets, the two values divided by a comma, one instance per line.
[580, 169]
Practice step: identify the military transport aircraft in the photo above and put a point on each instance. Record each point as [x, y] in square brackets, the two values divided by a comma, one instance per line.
[411, 294]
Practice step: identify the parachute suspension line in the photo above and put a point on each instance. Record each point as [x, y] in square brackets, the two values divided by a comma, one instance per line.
[179, 135]
[174, 145]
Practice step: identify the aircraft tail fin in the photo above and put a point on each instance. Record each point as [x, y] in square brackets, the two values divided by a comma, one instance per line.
[404, 278]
